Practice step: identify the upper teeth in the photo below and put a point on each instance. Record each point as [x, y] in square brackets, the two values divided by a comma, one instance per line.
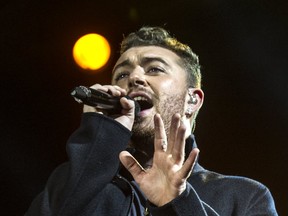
[138, 98]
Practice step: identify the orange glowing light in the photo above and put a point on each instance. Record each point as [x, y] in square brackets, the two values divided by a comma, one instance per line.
[91, 51]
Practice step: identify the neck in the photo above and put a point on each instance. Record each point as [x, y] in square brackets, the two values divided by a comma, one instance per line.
[144, 147]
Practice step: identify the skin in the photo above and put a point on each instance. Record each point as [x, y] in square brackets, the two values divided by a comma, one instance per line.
[160, 132]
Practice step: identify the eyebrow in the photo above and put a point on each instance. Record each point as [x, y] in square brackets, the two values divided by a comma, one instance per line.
[124, 63]
[143, 61]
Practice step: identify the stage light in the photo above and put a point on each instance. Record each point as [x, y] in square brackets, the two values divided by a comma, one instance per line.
[91, 51]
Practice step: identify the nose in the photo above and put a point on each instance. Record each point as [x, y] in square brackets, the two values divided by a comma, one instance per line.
[137, 78]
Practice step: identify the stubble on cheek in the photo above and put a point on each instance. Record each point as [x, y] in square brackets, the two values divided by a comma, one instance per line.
[171, 106]
[166, 107]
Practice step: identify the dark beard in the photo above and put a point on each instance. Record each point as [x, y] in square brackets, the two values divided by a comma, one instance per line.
[143, 133]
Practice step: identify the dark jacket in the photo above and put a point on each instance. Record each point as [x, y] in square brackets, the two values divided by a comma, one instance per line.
[92, 184]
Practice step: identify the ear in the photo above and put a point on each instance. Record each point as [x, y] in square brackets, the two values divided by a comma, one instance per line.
[193, 102]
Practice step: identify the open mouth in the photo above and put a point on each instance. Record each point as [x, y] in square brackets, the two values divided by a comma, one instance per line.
[144, 102]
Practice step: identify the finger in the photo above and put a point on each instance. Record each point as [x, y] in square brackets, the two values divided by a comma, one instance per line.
[131, 164]
[175, 122]
[178, 151]
[112, 90]
[96, 86]
[116, 90]
[128, 106]
[127, 115]
[123, 91]
[100, 87]
[160, 140]
[189, 164]
[126, 103]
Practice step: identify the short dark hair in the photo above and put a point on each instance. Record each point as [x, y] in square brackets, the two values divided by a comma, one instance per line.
[157, 36]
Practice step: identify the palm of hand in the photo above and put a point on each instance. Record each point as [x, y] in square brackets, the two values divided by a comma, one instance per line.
[166, 179]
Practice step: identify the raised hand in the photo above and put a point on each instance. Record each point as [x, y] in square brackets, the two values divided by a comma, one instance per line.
[166, 179]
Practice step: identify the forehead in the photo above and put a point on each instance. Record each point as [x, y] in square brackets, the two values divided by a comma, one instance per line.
[136, 54]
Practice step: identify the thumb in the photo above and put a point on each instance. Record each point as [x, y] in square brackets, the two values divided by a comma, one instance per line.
[127, 116]
[131, 164]
[128, 106]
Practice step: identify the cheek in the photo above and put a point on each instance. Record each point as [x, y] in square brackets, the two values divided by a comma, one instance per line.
[169, 86]
[121, 84]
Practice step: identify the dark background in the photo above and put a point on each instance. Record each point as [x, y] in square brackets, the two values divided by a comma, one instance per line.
[241, 129]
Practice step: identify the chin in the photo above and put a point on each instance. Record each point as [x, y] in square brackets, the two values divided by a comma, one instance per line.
[143, 126]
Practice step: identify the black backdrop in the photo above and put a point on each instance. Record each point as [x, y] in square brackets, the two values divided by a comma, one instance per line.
[241, 129]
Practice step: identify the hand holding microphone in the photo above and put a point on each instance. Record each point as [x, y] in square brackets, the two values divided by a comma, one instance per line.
[101, 100]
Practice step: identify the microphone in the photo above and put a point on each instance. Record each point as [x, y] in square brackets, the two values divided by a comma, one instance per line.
[101, 100]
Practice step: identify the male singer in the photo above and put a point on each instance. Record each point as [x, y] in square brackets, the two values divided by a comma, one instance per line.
[147, 165]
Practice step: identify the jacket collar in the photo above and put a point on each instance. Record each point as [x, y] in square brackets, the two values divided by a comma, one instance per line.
[191, 144]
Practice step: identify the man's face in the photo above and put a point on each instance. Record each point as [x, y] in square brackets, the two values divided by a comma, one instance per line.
[152, 76]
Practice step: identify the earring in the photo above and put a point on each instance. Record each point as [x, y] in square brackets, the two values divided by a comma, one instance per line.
[193, 99]
[189, 112]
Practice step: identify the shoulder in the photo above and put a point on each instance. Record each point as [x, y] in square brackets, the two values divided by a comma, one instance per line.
[239, 194]
[206, 178]
[236, 189]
